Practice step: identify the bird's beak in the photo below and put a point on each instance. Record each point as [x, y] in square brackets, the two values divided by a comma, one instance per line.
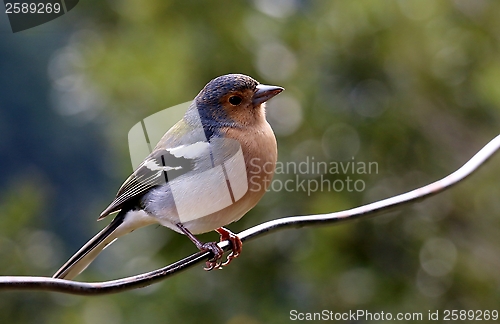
[265, 92]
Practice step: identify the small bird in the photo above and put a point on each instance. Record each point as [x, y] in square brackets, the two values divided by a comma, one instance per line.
[207, 171]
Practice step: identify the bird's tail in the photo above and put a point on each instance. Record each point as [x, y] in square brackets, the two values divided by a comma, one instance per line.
[81, 259]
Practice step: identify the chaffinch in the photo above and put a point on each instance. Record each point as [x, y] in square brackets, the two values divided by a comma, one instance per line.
[207, 171]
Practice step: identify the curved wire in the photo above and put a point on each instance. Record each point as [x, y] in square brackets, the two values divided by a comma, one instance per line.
[146, 279]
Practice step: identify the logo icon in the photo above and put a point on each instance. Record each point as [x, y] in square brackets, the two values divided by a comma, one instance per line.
[188, 166]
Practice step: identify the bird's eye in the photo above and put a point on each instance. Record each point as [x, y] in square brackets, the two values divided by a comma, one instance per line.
[235, 100]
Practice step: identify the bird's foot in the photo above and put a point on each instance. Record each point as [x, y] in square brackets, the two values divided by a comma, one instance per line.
[216, 261]
[236, 244]
[217, 251]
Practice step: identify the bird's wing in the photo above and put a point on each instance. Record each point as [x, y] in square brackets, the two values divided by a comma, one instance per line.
[181, 150]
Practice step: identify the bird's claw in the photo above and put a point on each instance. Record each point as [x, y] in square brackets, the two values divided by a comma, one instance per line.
[216, 261]
[236, 244]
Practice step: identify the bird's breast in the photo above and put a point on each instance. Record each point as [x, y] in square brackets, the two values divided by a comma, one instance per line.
[260, 153]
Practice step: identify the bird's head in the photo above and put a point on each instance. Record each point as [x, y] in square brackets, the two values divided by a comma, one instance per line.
[234, 100]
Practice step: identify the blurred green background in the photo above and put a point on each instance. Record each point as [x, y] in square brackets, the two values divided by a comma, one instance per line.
[413, 85]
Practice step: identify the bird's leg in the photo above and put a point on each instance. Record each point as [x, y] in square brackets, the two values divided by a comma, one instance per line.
[213, 263]
[236, 244]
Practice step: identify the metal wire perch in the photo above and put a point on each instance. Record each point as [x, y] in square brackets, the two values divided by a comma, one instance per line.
[146, 279]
